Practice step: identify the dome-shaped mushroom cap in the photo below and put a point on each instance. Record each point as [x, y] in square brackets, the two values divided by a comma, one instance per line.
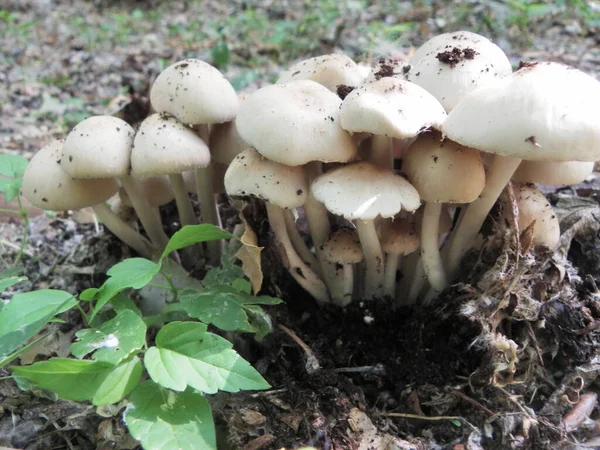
[343, 246]
[48, 186]
[543, 111]
[295, 123]
[98, 147]
[392, 107]
[163, 145]
[157, 190]
[252, 174]
[444, 171]
[195, 92]
[364, 191]
[551, 172]
[533, 205]
[451, 65]
[329, 70]
[398, 236]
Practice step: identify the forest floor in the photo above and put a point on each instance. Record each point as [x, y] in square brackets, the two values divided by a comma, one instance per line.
[410, 379]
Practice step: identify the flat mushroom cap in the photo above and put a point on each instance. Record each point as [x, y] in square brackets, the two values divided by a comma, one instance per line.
[364, 191]
[451, 65]
[163, 145]
[98, 147]
[556, 173]
[533, 205]
[391, 107]
[399, 237]
[252, 174]
[195, 92]
[48, 186]
[295, 123]
[444, 171]
[343, 246]
[543, 111]
[329, 70]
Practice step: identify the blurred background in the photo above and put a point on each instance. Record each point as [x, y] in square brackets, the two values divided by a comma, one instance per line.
[63, 60]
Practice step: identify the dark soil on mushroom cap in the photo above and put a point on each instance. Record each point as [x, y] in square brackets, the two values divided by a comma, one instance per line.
[455, 55]
[343, 90]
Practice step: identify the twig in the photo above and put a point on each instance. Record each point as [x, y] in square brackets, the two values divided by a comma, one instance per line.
[312, 363]
[377, 369]
[269, 393]
[474, 403]
[416, 416]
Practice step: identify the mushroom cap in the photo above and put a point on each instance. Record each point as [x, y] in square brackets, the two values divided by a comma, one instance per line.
[330, 71]
[343, 246]
[533, 205]
[551, 172]
[451, 65]
[157, 190]
[398, 236]
[444, 171]
[543, 111]
[295, 123]
[98, 147]
[195, 92]
[392, 107]
[252, 174]
[48, 186]
[163, 145]
[364, 191]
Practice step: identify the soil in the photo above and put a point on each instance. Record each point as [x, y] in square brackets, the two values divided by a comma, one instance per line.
[495, 363]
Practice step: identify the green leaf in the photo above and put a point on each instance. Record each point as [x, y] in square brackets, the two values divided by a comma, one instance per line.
[13, 166]
[25, 314]
[10, 187]
[193, 234]
[226, 274]
[72, 379]
[119, 383]
[69, 378]
[7, 282]
[260, 321]
[223, 306]
[187, 355]
[131, 273]
[165, 420]
[220, 54]
[114, 340]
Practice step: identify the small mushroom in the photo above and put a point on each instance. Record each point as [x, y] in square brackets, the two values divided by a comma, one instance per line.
[48, 186]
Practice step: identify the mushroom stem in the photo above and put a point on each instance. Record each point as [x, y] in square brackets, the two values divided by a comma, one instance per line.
[419, 279]
[149, 220]
[374, 274]
[318, 223]
[381, 151]
[498, 176]
[409, 267]
[303, 274]
[342, 285]
[391, 267]
[184, 205]
[206, 198]
[299, 244]
[123, 231]
[430, 252]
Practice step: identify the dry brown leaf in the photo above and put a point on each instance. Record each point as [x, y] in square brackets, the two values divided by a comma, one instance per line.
[249, 254]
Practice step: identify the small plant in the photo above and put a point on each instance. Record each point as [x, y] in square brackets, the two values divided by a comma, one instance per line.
[162, 381]
[12, 168]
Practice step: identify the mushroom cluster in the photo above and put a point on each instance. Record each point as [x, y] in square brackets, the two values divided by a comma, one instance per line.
[376, 162]
[149, 165]
[441, 113]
